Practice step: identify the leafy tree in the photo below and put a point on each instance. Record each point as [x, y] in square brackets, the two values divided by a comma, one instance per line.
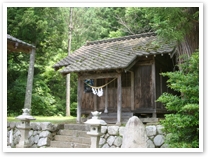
[183, 120]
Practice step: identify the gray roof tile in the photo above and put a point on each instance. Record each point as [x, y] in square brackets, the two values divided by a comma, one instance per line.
[113, 53]
[11, 38]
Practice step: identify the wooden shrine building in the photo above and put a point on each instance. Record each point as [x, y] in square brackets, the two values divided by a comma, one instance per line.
[126, 69]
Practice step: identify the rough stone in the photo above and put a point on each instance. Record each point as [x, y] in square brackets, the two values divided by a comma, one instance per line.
[35, 126]
[151, 130]
[150, 144]
[31, 140]
[164, 146]
[16, 140]
[35, 133]
[102, 141]
[106, 136]
[12, 125]
[135, 134]
[121, 131]
[159, 140]
[30, 133]
[104, 129]
[36, 138]
[45, 134]
[113, 130]
[110, 140]
[106, 145]
[118, 141]
[43, 142]
[160, 129]
[47, 126]
[17, 133]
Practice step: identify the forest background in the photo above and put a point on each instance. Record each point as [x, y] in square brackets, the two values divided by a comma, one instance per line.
[48, 28]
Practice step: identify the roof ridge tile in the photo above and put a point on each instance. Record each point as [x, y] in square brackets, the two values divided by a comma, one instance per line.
[147, 34]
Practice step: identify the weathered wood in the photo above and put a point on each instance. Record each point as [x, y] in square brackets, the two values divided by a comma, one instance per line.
[143, 83]
[28, 94]
[119, 100]
[79, 100]
[132, 90]
[106, 99]
[95, 96]
[99, 76]
[154, 114]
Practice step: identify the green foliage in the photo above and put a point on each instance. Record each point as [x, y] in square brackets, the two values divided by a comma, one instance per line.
[183, 120]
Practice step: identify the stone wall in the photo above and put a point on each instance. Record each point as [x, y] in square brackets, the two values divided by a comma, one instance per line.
[113, 135]
[40, 134]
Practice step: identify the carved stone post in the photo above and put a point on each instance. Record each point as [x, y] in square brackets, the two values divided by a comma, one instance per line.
[24, 128]
[95, 128]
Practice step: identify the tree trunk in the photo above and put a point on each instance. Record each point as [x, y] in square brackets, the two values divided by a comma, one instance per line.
[68, 75]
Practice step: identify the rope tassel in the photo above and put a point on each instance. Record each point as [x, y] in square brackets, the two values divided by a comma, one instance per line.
[99, 90]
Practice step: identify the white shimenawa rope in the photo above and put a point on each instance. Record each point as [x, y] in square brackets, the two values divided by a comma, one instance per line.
[99, 90]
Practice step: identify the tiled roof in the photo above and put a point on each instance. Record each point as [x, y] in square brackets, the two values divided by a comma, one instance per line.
[11, 38]
[117, 53]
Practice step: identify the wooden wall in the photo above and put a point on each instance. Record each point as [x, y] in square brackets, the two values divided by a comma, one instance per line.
[148, 86]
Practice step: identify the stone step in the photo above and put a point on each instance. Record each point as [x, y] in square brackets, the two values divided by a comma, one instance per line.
[81, 127]
[60, 144]
[75, 133]
[63, 138]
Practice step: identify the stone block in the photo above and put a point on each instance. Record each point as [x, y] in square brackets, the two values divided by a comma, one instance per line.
[35, 126]
[31, 141]
[43, 142]
[105, 146]
[159, 140]
[121, 131]
[104, 129]
[30, 133]
[47, 126]
[102, 141]
[44, 134]
[151, 130]
[110, 140]
[118, 141]
[12, 125]
[113, 130]
[36, 138]
[150, 144]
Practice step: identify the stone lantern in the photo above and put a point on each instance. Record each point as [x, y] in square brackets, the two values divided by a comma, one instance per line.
[95, 128]
[24, 128]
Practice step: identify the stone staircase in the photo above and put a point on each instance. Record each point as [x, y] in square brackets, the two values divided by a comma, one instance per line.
[111, 118]
[72, 136]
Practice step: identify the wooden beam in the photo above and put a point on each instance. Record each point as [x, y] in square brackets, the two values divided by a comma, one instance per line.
[79, 99]
[154, 114]
[132, 90]
[106, 99]
[95, 96]
[119, 99]
[28, 94]
[98, 76]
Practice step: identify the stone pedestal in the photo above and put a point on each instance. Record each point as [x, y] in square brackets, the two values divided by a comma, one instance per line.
[24, 128]
[95, 128]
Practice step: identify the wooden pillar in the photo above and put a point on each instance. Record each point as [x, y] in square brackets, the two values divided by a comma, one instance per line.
[119, 99]
[79, 99]
[132, 90]
[154, 114]
[28, 94]
[106, 99]
[95, 96]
